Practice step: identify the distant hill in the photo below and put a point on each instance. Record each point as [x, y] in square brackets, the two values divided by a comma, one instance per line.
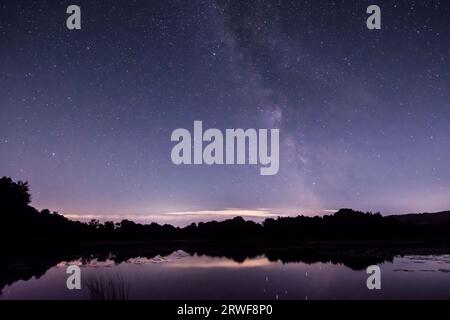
[427, 218]
[23, 227]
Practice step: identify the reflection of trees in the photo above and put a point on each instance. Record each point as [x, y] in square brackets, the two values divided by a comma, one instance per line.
[39, 240]
[354, 257]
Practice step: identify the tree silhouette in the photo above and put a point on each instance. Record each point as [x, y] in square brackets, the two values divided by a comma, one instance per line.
[14, 195]
[23, 226]
[355, 238]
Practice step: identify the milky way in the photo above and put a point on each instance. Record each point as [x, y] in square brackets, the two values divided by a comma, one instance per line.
[364, 115]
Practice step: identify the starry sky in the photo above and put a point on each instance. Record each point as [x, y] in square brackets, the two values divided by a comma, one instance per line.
[364, 115]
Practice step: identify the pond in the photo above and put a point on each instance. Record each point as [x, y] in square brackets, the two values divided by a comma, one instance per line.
[180, 275]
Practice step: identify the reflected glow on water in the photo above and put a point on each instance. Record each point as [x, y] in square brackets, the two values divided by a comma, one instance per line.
[183, 276]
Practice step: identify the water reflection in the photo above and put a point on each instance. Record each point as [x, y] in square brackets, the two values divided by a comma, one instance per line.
[192, 275]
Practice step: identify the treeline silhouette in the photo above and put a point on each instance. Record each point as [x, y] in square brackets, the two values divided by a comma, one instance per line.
[24, 226]
[37, 240]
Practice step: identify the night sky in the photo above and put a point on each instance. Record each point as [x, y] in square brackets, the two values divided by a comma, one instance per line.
[364, 115]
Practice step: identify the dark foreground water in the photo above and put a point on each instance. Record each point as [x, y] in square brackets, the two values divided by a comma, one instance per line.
[183, 276]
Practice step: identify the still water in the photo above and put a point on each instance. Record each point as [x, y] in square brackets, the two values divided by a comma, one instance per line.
[184, 276]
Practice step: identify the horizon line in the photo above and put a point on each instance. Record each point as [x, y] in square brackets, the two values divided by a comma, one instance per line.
[196, 216]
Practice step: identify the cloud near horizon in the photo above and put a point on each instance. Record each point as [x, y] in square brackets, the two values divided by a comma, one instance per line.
[182, 217]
